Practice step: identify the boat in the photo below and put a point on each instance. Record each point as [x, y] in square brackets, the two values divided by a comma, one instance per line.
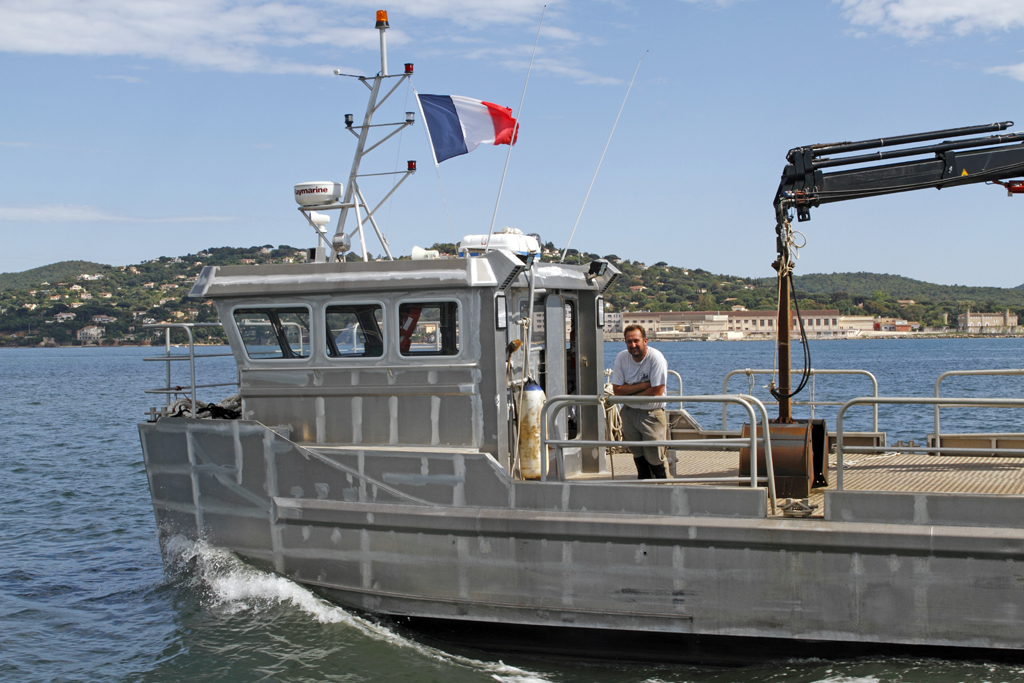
[383, 455]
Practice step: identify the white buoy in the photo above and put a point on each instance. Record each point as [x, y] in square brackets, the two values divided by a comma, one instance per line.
[529, 431]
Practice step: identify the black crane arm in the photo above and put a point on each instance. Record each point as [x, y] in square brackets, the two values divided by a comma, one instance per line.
[806, 184]
[807, 181]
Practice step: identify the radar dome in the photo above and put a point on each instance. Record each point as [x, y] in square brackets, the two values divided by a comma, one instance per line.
[323, 192]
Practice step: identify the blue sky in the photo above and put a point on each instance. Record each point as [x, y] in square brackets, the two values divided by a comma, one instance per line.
[130, 130]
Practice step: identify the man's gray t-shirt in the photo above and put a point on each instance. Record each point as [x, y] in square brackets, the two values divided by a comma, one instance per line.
[653, 368]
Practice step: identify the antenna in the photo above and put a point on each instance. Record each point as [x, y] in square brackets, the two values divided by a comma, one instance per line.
[515, 131]
[578, 216]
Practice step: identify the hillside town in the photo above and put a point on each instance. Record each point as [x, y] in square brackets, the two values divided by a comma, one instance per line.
[78, 304]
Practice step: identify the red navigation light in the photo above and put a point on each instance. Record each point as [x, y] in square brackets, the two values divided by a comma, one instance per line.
[412, 166]
[408, 68]
[382, 18]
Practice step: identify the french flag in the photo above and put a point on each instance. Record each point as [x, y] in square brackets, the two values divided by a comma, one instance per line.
[458, 125]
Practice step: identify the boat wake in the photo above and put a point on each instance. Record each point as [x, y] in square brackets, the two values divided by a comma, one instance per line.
[230, 584]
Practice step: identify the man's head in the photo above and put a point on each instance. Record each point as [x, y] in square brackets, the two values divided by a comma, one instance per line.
[636, 341]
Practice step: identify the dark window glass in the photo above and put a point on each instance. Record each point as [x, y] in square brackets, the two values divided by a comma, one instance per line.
[428, 328]
[270, 333]
[355, 331]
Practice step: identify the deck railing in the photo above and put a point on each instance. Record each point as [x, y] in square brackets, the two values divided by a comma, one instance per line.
[841, 450]
[551, 408]
[965, 373]
[169, 389]
[812, 403]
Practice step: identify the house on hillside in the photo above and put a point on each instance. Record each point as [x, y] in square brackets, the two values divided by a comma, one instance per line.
[91, 333]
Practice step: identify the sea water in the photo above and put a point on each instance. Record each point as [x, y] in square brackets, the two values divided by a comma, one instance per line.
[86, 596]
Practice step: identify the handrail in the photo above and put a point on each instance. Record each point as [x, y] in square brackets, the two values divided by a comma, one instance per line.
[748, 372]
[553, 405]
[962, 373]
[679, 378]
[900, 400]
[168, 358]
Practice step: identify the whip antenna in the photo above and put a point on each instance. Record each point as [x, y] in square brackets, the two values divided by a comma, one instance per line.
[515, 131]
[602, 157]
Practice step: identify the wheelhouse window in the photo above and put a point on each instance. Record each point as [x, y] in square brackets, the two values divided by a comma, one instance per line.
[355, 331]
[274, 333]
[428, 328]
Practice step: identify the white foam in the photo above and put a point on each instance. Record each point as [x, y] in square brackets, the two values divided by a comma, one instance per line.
[238, 587]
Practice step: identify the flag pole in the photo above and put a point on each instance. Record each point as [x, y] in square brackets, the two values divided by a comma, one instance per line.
[578, 216]
[515, 131]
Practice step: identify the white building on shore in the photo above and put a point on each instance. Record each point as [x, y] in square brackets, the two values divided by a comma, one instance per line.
[987, 323]
[743, 324]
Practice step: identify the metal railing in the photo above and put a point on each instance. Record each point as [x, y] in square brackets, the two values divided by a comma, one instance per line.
[552, 406]
[966, 373]
[169, 389]
[889, 400]
[812, 403]
[679, 379]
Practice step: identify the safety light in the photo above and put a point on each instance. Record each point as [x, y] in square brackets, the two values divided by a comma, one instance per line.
[408, 68]
[348, 120]
[382, 18]
[411, 166]
[410, 116]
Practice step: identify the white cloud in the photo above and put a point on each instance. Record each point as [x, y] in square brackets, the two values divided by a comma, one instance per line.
[227, 35]
[82, 214]
[921, 19]
[465, 12]
[1013, 71]
[917, 20]
[555, 33]
[272, 36]
[562, 67]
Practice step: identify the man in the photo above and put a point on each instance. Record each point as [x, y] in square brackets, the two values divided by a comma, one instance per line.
[642, 371]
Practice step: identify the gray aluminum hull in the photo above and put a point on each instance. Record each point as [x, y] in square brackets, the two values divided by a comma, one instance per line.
[436, 533]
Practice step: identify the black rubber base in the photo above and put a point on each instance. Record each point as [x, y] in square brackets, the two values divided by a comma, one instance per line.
[557, 642]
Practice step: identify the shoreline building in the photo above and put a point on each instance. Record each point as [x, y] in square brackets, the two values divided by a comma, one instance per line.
[987, 323]
[744, 324]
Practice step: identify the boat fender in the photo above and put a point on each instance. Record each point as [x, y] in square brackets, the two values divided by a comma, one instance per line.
[529, 430]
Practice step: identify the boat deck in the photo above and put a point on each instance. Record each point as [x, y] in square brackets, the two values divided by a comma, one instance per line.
[907, 472]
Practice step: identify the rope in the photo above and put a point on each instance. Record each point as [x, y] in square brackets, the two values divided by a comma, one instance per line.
[612, 419]
[228, 409]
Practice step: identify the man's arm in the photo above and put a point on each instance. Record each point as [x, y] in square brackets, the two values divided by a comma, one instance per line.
[637, 389]
[652, 391]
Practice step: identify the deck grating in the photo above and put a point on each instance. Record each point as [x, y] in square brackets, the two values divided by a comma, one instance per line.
[908, 472]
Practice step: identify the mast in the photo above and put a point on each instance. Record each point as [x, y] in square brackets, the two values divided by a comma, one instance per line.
[353, 197]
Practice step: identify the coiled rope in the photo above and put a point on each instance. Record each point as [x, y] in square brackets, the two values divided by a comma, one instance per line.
[228, 409]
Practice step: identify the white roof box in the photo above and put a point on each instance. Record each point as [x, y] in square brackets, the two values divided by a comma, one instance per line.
[324, 192]
[508, 239]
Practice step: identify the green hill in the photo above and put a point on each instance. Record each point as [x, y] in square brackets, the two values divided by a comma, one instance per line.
[123, 298]
[55, 272]
[899, 287]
